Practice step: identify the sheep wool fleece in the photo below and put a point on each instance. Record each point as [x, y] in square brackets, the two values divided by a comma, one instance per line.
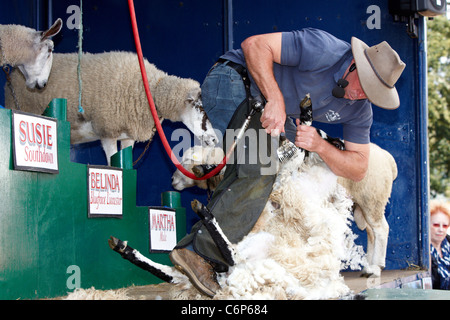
[239, 199]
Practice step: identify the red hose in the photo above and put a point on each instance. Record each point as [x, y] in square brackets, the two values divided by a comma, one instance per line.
[153, 108]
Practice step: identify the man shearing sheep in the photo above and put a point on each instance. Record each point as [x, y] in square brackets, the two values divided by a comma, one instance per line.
[343, 81]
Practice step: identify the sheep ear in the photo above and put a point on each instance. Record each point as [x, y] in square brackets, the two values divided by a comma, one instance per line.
[54, 29]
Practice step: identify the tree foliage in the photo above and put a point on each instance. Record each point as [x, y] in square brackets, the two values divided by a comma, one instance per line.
[438, 36]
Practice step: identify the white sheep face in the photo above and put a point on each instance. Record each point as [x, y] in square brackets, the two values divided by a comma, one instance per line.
[193, 156]
[36, 69]
[36, 72]
[197, 121]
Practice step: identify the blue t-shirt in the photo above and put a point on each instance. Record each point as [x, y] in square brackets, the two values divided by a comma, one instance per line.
[312, 61]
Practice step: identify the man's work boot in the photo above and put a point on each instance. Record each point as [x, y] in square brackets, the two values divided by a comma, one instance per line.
[198, 270]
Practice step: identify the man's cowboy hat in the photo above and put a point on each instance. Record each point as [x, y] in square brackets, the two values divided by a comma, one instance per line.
[379, 68]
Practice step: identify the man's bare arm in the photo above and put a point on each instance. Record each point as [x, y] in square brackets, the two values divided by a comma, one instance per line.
[351, 163]
[260, 52]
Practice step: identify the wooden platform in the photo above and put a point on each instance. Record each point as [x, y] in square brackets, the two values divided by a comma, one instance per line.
[357, 284]
[388, 279]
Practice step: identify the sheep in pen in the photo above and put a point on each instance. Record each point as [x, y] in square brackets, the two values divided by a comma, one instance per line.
[114, 104]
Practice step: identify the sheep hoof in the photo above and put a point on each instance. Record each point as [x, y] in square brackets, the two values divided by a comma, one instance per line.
[371, 272]
[202, 169]
[117, 245]
[198, 171]
[196, 205]
[203, 212]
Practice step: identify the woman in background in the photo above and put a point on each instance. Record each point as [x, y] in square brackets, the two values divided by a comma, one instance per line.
[440, 245]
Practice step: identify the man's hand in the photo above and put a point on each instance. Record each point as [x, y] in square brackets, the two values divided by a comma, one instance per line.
[261, 52]
[351, 163]
[273, 118]
[307, 138]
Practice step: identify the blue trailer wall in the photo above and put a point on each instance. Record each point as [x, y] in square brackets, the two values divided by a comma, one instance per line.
[186, 37]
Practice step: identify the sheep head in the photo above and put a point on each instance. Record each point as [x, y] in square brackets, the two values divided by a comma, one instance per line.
[31, 51]
[196, 119]
[179, 99]
[198, 155]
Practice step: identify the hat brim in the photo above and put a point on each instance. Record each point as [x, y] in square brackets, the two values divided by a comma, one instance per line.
[377, 93]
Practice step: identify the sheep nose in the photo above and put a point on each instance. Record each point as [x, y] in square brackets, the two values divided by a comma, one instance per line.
[39, 86]
[210, 140]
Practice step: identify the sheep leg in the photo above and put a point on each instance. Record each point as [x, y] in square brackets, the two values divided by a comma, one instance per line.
[358, 215]
[377, 237]
[219, 238]
[381, 233]
[110, 148]
[166, 273]
[363, 224]
[368, 270]
[125, 143]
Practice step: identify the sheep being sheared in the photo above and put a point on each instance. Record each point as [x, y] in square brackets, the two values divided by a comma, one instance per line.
[370, 196]
[198, 155]
[29, 50]
[295, 250]
[301, 241]
[114, 101]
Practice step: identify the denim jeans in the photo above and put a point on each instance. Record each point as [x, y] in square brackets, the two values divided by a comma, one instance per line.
[222, 92]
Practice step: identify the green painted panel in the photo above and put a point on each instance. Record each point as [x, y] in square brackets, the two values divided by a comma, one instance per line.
[45, 232]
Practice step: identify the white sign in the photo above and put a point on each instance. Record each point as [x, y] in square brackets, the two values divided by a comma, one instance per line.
[35, 142]
[105, 192]
[163, 229]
